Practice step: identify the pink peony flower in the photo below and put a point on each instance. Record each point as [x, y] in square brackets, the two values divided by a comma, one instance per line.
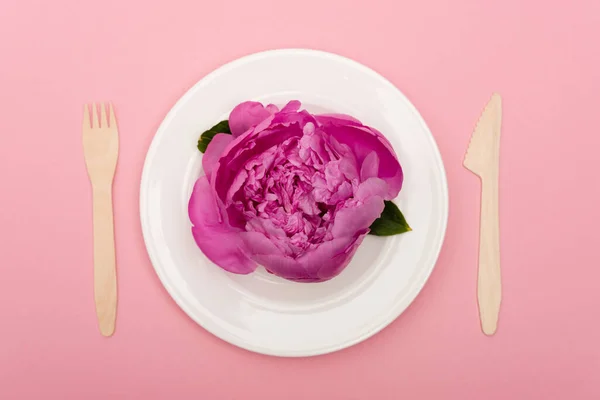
[291, 191]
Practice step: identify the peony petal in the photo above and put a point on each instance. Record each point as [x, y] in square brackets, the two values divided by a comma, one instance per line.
[326, 255]
[257, 243]
[363, 141]
[333, 176]
[223, 248]
[370, 166]
[213, 152]
[350, 220]
[348, 168]
[287, 118]
[247, 115]
[341, 261]
[245, 147]
[291, 107]
[284, 267]
[339, 119]
[238, 181]
[272, 108]
[343, 192]
[380, 136]
[371, 187]
[202, 207]
[217, 240]
[266, 227]
[267, 122]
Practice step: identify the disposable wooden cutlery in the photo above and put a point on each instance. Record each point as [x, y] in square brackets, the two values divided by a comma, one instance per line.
[101, 148]
[482, 159]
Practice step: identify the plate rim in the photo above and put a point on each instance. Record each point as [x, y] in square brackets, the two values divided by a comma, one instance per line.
[144, 182]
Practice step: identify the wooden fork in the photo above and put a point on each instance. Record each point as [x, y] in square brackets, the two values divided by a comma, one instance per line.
[101, 148]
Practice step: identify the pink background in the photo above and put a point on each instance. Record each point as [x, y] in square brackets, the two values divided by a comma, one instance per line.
[447, 56]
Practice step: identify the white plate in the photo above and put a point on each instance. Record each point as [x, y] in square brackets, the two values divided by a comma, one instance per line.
[261, 312]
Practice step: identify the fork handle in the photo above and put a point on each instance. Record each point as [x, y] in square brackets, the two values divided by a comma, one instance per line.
[105, 277]
[489, 286]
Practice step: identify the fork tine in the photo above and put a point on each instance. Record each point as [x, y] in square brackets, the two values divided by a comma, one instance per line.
[104, 118]
[86, 117]
[113, 118]
[95, 117]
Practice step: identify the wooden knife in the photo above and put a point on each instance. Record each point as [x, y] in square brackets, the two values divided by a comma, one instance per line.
[482, 159]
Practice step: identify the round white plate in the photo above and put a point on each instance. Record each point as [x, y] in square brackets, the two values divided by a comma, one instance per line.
[261, 312]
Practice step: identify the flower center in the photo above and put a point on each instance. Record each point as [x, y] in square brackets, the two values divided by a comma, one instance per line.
[293, 190]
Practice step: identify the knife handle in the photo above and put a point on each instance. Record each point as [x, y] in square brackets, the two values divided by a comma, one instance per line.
[489, 286]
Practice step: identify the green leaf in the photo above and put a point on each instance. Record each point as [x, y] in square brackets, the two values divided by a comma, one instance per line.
[207, 136]
[390, 222]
